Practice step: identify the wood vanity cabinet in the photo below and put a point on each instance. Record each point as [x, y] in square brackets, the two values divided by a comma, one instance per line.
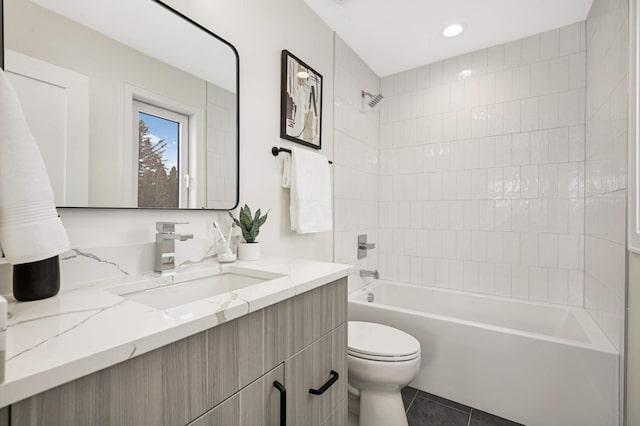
[223, 376]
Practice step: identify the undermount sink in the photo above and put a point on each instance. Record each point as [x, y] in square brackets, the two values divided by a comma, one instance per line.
[184, 290]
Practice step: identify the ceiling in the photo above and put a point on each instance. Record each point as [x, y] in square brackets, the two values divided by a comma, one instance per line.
[396, 35]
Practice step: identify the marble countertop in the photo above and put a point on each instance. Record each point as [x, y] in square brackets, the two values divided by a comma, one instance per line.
[86, 329]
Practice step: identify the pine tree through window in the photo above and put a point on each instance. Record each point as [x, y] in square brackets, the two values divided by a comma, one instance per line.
[161, 157]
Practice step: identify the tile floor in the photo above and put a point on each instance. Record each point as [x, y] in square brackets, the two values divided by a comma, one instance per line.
[425, 409]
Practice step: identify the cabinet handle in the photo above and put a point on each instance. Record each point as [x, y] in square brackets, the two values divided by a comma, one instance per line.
[330, 382]
[283, 402]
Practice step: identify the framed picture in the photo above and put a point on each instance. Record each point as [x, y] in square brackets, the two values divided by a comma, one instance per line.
[301, 102]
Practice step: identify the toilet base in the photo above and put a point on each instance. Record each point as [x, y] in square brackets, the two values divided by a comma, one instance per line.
[380, 408]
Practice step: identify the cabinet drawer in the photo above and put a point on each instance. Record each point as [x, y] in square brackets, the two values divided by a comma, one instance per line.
[256, 405]
[310, 369]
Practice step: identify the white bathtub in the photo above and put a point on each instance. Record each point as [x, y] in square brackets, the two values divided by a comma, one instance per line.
[534, 363]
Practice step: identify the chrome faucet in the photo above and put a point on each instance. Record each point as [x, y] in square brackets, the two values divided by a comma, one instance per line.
[166, 245]
[366, 274]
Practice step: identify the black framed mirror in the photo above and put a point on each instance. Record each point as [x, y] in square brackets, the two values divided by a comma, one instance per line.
[133, 104]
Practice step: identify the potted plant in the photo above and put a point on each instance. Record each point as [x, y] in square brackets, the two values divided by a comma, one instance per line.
[250, 227]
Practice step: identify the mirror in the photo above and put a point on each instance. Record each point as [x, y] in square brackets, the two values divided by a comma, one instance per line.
[132, 104]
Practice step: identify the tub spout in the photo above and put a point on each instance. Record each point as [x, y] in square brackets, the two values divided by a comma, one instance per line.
[365, 274]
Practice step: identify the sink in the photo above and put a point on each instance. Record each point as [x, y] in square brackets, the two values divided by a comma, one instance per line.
[184, 290]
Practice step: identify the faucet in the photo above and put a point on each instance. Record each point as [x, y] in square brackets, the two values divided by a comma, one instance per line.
[166, 245]
[365, 274]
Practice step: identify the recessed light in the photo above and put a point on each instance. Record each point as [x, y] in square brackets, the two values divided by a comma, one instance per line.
[302, 74]
[453, 30]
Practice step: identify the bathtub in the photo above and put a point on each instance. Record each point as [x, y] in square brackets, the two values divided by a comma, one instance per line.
[534, 363]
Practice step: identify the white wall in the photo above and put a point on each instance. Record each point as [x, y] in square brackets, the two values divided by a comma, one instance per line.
[355, 162]
[633, 342]
[482, 164]
[606, 160]
[259, 30]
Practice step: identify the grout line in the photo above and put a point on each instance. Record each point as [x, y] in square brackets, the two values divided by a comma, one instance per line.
[470, 413]
[415, 395]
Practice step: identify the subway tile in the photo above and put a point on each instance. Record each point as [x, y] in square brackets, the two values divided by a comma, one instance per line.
[513, 54]
[470, 280]
[531, 49]
[539, 215]
[479, 184]
[511, 247]
[486, 278]
[495, 58]
[471, 214]
[463, 245]
[471, 92]
[471, 153]
[442, 272]
[512, 118]
[570, 251]
[576, 143]
[463, 121]
[415, 267]
[503, 150]
[494, 183]
[487, 93]
[529, 114]
[539, 147]
[520, 215]
[456, 274]
[559, 145]
[540, 78]
[427, 271]
[576, 288]
[479, 121]
[549, 44]
[503, 215]
[558, 286]
[495, 119]
[548, 185]
[529, 248]
[520, 149]
[577, 70]
[519, 282]
[569, 39]
[559, 74]
[569, 108]
[521, 82]
[478, 246]
[494, 247]
[538, 284]
[549, 111]
[502, 280]
[487, 154]
[463, 178]
[511, 182]
[548, 247]
[504, 85]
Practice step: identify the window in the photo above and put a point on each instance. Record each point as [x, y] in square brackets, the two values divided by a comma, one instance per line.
[162, 156]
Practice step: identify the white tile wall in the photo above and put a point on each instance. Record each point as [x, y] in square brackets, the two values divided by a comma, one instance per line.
[605, 168]
[356, 169]
[482, 164]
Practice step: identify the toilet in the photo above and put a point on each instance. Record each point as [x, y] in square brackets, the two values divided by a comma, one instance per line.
[381, 361]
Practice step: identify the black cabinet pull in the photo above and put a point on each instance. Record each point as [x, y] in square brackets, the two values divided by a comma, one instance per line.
[283, 402]
[323, 389]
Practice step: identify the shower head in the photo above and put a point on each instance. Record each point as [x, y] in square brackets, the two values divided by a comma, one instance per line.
[374, 98]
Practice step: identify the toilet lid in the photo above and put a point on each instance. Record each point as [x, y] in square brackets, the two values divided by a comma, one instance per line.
[380, 342]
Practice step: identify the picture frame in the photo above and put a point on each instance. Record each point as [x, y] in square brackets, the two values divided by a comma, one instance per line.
[301, 102]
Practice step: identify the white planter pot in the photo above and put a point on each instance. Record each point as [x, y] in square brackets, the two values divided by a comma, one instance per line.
[248, 251]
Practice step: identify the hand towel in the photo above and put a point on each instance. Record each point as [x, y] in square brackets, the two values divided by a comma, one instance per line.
[307, 175]
[30, 229]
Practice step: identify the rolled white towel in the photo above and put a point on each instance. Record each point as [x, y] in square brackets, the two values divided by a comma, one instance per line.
[30, 229]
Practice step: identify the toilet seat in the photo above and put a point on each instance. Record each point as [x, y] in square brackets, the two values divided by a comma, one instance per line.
[378, 342]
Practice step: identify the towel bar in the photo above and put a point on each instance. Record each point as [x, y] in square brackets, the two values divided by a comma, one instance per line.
[277, 150]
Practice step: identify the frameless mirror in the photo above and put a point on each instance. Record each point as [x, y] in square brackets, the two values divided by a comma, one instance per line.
[133, 105]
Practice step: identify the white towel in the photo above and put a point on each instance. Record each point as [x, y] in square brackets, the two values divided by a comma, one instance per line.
[30, 229]
[307, 175]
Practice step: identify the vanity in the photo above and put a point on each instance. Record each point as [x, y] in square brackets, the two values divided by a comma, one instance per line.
[272, 352]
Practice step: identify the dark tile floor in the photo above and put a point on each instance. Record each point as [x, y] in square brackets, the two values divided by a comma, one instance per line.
[425, 409]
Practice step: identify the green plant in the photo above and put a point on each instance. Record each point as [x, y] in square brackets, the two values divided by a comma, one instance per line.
[250, 226]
